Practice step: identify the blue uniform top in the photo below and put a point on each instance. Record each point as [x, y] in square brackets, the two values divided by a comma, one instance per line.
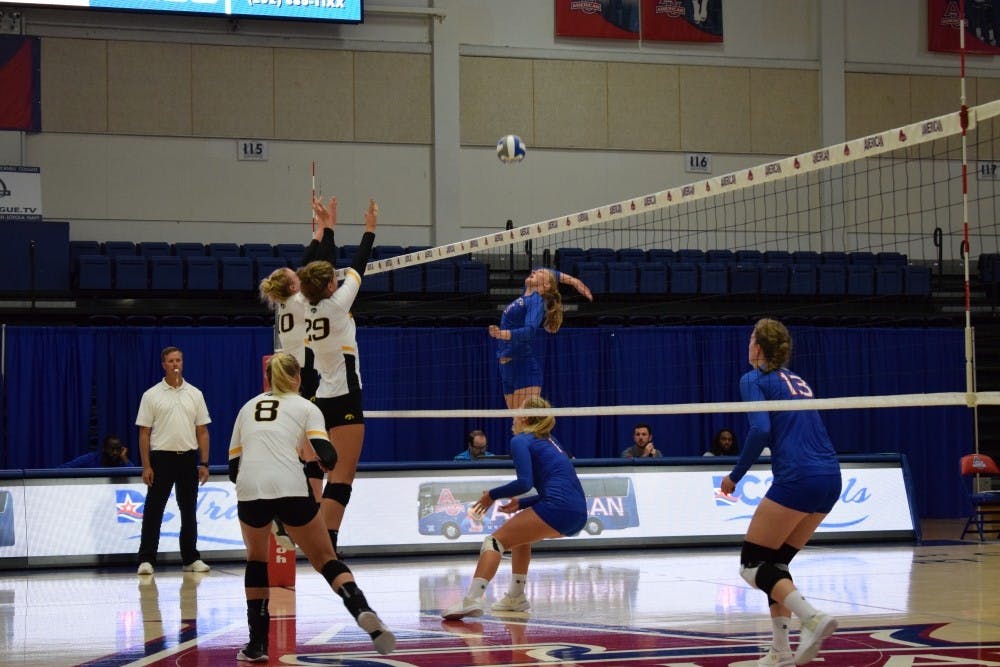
[466, 455]
[800, 445]
[523, 317]
[544, 465]
[94, 460]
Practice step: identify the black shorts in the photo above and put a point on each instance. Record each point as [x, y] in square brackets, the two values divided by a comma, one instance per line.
[293, 511]
[341, 410]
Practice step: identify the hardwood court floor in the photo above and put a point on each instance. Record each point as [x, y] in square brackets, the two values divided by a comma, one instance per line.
[898, 604]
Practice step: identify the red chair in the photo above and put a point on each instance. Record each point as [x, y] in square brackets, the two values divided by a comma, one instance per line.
[985, 504]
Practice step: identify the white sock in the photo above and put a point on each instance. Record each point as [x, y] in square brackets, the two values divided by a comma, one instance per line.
[516, 588]
[780, 624]
[799, 606]
[477, 589]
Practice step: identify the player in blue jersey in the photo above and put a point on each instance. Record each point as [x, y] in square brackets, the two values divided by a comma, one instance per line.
[523, 321]
[558, 509]
[806, 485]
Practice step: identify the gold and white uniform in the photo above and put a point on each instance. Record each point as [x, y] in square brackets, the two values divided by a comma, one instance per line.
[332, 337]
[290, 318]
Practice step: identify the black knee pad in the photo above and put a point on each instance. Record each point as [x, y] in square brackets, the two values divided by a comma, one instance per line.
[339, 492]
[753, 554]
[768, 575]
[333, 569]
[255, 575]
[313, 471]
[785, 554]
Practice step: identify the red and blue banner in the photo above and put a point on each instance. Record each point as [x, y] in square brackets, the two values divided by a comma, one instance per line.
[682, 20]
[20, 81]
[614, 19]
[982, 26]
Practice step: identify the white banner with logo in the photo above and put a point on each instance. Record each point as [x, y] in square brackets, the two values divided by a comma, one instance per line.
[20, 193]
[430, 510]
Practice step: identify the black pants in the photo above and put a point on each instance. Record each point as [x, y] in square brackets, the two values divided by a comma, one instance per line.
[178, 472]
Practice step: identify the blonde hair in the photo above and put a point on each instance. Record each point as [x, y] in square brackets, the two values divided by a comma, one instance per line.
[775, 342]
[276, 288]
[540, 427]
[282, 371]
[314, 278]
[553, 304]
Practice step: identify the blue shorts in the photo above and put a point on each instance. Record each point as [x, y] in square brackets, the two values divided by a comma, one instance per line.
[520, 372]
[814, 494]
[565, 521]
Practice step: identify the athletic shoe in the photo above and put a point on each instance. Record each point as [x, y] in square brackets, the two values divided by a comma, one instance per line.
[777, 659]
[145, 568]
[382, 637]
[814, 630]
[252, 653]
[464, 608]
[283, 539]
[197, 566]
[508, 603]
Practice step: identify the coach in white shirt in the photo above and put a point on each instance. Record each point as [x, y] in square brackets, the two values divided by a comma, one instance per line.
[173, 445]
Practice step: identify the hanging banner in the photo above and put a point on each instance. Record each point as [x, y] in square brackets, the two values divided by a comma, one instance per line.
[982, 27]
[609, 19]
[20, 193]
[682, 20]
[20, 83]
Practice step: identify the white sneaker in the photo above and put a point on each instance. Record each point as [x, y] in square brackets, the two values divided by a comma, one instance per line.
[197, 566]
[814, 630]
[777, 659]
[283, 539]
[382, 637]
[145, 568]
[508, 603]
[464, 608]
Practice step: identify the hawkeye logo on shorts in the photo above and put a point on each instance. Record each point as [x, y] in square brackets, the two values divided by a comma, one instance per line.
[349, 417]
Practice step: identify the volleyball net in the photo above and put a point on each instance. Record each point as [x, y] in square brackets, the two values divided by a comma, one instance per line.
[865, 229]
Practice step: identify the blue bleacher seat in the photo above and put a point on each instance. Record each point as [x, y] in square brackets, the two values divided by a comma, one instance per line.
[888, 280]
[202, 273]
[745, 279]
[806, 257]
[621, 278]
[376, 282]
[834, 257]
[386, 251]
[76, 250]
[720, 256]
[115, 248]
[714, 278]
[237, 274]
[652, 278]
[408, 279]
[94, 272]
[166, 273]
[189, 249]
[131, 272]
[567, 258]
[632, 255]
[778, 257]
[661, 255]
[213, 321]
[917, 280]
[223, 250]
[774, 279]
[862, 257]
[749, 257]
[440, 276]
[153, 249]
[802, 280]
[593, 275]
[265, 266]
[174, 320]
[891, 258]
[690, 256]
[141, 320]
[291, 252]
[683, 278]
[602, 255]
[832, 279]
[347, 252]
[473, 277]
[861, 279]
[255, 250]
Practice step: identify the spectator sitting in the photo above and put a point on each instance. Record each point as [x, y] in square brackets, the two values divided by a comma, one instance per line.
[642, 444]
[475, 447]
[113, 455]
[724, 444]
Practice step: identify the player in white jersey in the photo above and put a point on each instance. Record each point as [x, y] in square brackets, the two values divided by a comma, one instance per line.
[332, 340]
[272, 431]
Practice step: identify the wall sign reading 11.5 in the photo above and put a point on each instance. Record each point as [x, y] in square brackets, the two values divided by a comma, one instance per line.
[251, 149]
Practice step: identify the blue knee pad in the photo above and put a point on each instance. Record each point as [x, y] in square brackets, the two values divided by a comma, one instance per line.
[255, 575]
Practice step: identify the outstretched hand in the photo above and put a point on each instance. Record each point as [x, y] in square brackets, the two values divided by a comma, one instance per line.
[371, 216]
[326, 216]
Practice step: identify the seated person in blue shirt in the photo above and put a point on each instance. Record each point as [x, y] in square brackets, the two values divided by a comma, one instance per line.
[112, 455]
[475, 447]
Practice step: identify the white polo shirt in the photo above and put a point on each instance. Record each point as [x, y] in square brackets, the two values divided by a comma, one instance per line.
[172, 414]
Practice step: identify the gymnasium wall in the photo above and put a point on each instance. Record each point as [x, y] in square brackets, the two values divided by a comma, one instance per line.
[141, 113]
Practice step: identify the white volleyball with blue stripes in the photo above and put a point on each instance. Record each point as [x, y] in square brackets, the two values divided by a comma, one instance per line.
[510, 149]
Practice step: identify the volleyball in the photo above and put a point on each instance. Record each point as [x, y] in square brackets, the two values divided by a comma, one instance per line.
[510, 149]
